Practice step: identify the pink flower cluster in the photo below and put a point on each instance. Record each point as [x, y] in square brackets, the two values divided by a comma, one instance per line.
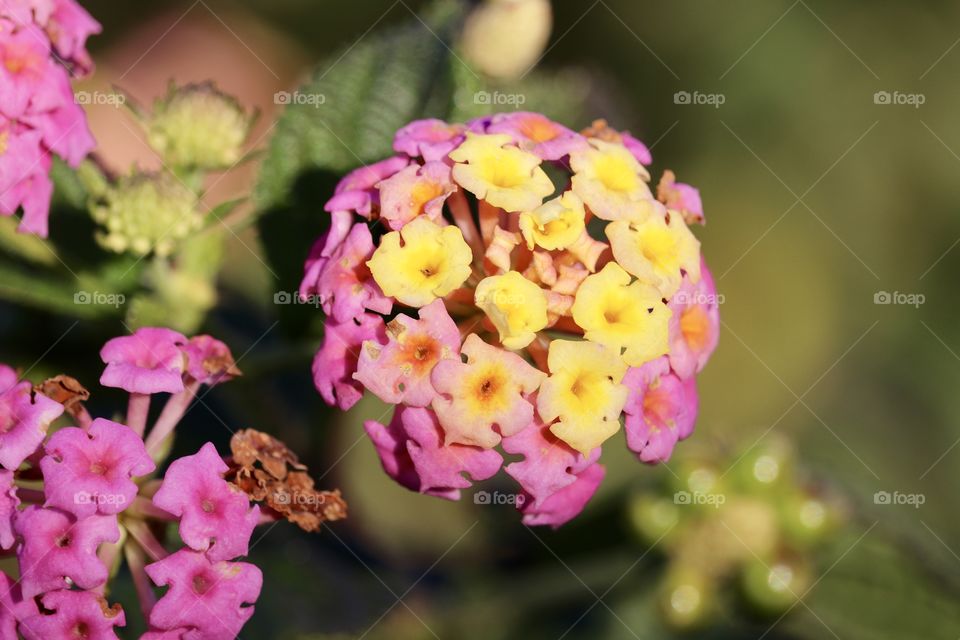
[75, 481]
[504, 313]
[42, 42]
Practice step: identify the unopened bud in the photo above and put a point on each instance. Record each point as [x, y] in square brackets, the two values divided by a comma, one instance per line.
[505, 38]
[197, 126]
[146, 213]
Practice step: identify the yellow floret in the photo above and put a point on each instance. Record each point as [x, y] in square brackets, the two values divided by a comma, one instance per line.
[622, 315]
[431, 262]
[516, 306]
[611, 182]
[556, 224]
[583, 392]
[656, 251]
[503, 175]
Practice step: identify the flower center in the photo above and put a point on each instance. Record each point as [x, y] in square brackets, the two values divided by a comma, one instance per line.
[488, 388]
[616, 175]
[62, 541]
[98, 468]
[201, 584]
[207, 506]
[694, 326]
[578, 388]
[19, 59]
[538, 129]
[503, 170]
[660, 248]
[657, 407]
[80, 630]
[422, 193]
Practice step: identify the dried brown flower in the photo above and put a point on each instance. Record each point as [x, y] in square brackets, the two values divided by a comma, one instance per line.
[67, 391]
[269, 472]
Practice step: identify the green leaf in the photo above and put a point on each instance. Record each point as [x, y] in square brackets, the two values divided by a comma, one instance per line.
[32, 288]
[359, 98]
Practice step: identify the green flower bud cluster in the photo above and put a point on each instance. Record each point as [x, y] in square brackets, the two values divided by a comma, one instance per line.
[146, 213]
[198, 127]
[749, 520]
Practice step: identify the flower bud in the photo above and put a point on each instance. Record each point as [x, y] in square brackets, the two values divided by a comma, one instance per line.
[653, 518]
[197, 126]
[767, 468]
[807, 519]
[687, 599]
[504, 38]
[146, 213]
[774, 587]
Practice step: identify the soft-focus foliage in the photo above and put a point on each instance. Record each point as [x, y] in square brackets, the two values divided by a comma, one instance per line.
[876, 213]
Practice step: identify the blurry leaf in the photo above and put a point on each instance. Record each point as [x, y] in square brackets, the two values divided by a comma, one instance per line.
[68, 187]
[24, 245]
[181, 291]
[33, 289]
[357, 99]
[560, 95]
[876, 592]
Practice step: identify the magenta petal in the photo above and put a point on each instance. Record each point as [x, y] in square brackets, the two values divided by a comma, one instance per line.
[215, 516]
[399, 371]
[661, 410]
[13, 607]
[390, 442]
[149, 361]
[24, 419]
[431, 139]
[33, 194]
[76, 614]
[57, 546]
[357, 190]
[8, 378]
[65, 130]
[8, 508]
[548, 464]
[411, 452]
[69, 26]
[209, 360]
[344, 283]
[695, 324]
[336, 361]
[213, 599]
[27, 69]
[87, 472]
[538, 134]
[637, 148]
[567, 503]
[444, 468]
[172, 634]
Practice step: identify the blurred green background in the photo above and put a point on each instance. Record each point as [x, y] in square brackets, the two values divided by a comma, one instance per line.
[818, 197]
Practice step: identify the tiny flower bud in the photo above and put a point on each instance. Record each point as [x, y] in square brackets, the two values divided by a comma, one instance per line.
[146, 212]
[504, 38]
[197, 126]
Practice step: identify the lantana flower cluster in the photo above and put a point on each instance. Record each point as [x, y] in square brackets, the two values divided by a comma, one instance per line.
[42, 44]
[77, 500]
[514, 286]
